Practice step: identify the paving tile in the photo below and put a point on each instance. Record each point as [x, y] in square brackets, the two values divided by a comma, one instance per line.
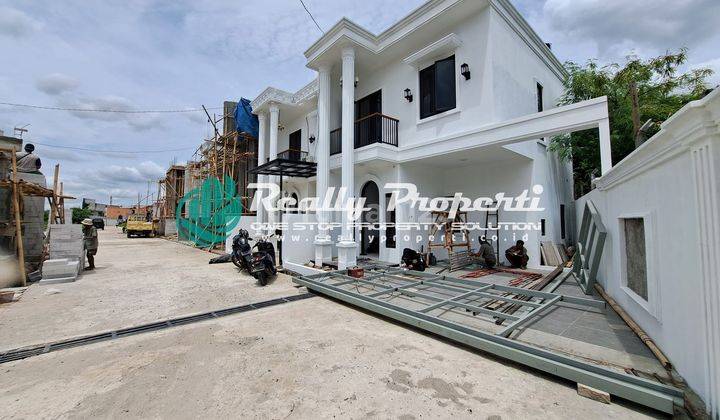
[617, 340]
[550, 325]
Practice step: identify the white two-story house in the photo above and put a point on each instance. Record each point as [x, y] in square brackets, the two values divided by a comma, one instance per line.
[457, 97]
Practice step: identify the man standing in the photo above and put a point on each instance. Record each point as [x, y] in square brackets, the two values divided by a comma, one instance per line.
[486, 254]
[28, 161]
[90, 242]
[517, 255]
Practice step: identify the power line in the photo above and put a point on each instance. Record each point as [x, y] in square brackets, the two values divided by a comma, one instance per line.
[311, 16]
[110, 151]
[119, 111]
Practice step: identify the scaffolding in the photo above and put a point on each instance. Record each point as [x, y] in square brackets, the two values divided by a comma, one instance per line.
[225, 156]
[19, 189]
[450, 228]
[230, 154]
[170, 191]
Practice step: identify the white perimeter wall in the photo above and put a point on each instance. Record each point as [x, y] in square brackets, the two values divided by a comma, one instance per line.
[672, 181]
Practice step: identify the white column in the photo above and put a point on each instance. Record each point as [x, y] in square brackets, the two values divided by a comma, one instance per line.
[262, 134]
[323, 244]
[605, 147]
[274, 122]
[705, 157]
[346, 245]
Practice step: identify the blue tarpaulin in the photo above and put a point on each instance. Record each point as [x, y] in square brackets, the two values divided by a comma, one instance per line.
[245, 121]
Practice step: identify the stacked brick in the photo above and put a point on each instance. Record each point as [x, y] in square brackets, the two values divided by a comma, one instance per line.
[67, 257]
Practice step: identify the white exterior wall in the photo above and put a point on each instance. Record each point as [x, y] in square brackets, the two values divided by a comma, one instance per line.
[672, 182]
[503, 86]
[306, 123]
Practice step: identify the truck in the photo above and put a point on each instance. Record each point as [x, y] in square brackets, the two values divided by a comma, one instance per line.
[137, 225]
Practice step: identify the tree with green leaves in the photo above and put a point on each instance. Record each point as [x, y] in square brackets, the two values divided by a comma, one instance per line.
[640, 91]
[78, 214]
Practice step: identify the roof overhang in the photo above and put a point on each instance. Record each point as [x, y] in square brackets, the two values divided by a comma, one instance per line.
[346, 32]
[277, 96]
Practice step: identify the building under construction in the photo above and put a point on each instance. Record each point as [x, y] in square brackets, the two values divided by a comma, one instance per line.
[229, 153]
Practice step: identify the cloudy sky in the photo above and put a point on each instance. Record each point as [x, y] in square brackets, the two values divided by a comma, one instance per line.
[179, 54]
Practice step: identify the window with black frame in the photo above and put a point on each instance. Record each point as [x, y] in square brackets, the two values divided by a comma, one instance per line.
[437, 87]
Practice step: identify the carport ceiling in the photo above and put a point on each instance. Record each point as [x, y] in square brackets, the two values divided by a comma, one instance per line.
[478, 156]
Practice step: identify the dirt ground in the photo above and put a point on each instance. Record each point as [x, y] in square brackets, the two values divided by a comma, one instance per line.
[315, 358]
[137, 280]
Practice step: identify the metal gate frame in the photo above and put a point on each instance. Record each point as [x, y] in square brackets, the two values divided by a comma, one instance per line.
[642, 391]
[591, 241]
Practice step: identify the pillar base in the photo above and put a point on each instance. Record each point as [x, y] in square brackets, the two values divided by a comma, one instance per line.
[323, 251]
[347, 255]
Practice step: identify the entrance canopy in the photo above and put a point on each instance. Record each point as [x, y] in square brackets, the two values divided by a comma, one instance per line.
[286, 167]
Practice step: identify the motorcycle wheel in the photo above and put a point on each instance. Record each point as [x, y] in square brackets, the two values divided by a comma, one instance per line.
[262, 278]
[237, 262]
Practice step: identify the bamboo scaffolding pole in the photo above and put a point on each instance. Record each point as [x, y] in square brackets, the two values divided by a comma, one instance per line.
[54, 201]
[18, 223]
[636, 328]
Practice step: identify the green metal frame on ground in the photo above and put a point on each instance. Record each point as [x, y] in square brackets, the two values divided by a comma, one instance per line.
[467, 293]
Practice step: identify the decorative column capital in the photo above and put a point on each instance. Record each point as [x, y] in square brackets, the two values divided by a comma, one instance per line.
[274, 109]
[348, 53]
[262, 117]
[324, 68]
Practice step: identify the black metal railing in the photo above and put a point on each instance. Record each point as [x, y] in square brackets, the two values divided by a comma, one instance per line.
[293, 154]
[374, 128]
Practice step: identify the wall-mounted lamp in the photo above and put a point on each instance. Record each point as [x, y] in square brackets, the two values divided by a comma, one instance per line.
[408, 95]
[311, 139]
[465, 71]
[357, 79]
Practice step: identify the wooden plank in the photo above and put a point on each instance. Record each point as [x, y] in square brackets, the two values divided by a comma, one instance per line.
[551, 253]
[561, 251]
[593, 393]
[543, 255]
[18, 223]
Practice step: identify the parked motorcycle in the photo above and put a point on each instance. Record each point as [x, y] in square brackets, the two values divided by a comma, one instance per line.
[259, 264]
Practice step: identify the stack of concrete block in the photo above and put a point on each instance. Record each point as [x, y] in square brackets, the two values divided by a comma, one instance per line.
[61, 270]
[67, 256]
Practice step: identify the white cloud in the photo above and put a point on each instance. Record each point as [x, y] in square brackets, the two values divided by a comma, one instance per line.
[138, 122]
[56, 83]
[145, 171]
[60, 155]
[159, 54]
[16, 24]
[644, 22]
[618, 27]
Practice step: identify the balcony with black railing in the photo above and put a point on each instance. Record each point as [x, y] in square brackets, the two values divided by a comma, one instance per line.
[293, 154]
[374, 128]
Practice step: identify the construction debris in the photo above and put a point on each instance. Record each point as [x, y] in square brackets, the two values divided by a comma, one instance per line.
[593, 394]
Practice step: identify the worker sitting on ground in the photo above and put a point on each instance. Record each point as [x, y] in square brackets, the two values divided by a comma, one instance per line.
[486, 254]
[28, 161]
[90, 242]
[517, 255]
